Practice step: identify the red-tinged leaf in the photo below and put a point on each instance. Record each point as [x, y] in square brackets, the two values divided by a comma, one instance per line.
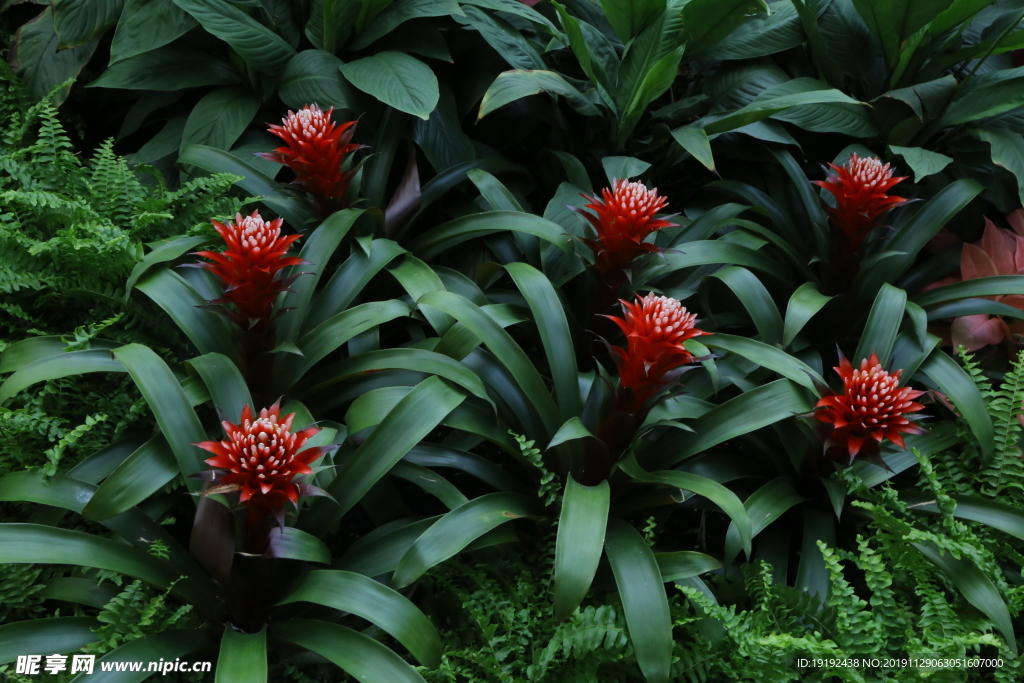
[978, 331]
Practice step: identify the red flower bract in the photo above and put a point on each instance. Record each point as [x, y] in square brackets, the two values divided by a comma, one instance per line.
[860, 188]
[315, 149]
[262, 457]
[871, 408]
[248, 267]
[622, 221]
[655, 329]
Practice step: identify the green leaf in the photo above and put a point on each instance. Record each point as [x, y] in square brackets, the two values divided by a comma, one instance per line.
[756, 299]
[380, 551]
[643, 599]
[882, 326]
[999, 285]
[764, 506]
[396, 79]
[702, 486]
[957, 13]
[295, 544]
[168, 68]
[706, 22]
[167, 646]
[79, 591]
[630, 17]
[581, 530]
[358, 655]
[1002, 516]
[766, 356]
[172, 410]
[695, 141]
[243, 656]
[226, 384]
[504, 348]
[772, 101]
[19, 354]
[553, 326]
[209, 332]
[922, 162]
[219, 118]
[378, 604]
[41, 67]
[748, 412]
[958, 386]
[46, 636]
[399, 12]
[168, 251]
[1007, 152]
[623, 168]
[518, 83]
[976, 587]
[717, 252]
[314, 76]
[79, 21]
[260, 47]
[984, 100]
[431, 482]
[37, 544]
[60, 365]
[803, 305]
[411, 420]
[143, 473]
[684, 564]
[457, 529]
[146, 25]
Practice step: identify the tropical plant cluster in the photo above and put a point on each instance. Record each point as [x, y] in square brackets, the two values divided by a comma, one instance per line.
[513, 340]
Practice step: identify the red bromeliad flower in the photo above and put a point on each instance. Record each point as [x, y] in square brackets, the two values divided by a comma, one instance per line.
[655, 329]
[623, 220]
[315, 149]
[249, 266]
[262, 456]
[871, 408]
[860, 189]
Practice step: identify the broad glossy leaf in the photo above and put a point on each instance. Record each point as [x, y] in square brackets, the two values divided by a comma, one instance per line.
[167, 68]
[705, 22]
[695, 141]
[295, 544]
[143, 473]
[59, 365]
[581, 530]
[643, 599]
[518, 83]
[243, 656]
[362, 657]
[378, 604]
[46, 636]
[79, 21]
[146, 25]
[211, 333]
[760, 35]
[226, 384]
[260, 47]
[803, 305]
[776, 99]
[984, 100]
[630, 17]
[976, 587]
[219, 118]
[314, 76]
[922, 161]
[457, 529]
[397, 80]
[167, 251]
[35, 59]
[400, 11]
[1007, 152]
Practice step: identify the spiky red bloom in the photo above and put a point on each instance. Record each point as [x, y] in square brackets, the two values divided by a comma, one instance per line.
[860, 188]
[655, 329]
[249, 266]
[262, 457]
[315, 148]
[871, 408]
[622, 221]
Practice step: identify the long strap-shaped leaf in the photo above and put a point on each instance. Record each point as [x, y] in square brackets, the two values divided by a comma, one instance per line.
[999, 285]
[644, 601]
[170, 406]
[553, 326]
[317, 250]
[18, 355]
[505, 349]
[59, 365]
[448, 235]
[457, 529]
[766, 356]
[360, 656]
[208, 331]
[976, 587]
[883, 325]
[225, 382]
[581, 529]
[46, 636]
[167, 646]
[375, 602]
[412, 418]
[750, 411]
[141, 475]
[755, 298]
[36, 544]
[1007, 518]
[965, 395]
[702, 486]
[349, 280]
[243, 657]
[380, 551]
[163, 253]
